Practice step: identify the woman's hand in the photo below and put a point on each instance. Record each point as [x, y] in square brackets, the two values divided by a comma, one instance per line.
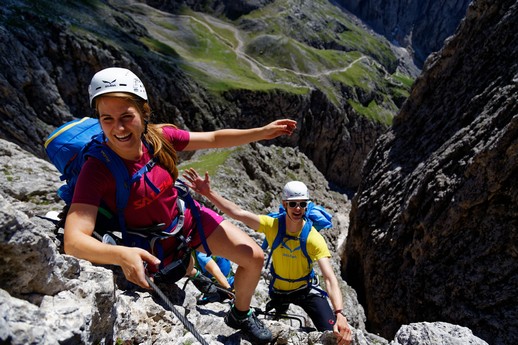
[278, 128]
[234, 137]
[132, 260]
[196, 183]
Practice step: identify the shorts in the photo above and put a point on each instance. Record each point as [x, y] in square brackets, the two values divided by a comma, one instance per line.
[210, 220]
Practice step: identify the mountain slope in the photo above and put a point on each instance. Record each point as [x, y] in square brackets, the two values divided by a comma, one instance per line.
[420, 26]
[49, 298]
[203, 72]
[434, 225]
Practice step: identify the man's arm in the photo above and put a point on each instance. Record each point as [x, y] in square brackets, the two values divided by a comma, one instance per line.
[341, 329]
[332, 287]
[226, 206]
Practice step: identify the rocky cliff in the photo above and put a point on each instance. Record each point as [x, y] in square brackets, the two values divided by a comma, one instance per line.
[421, 26]
[431, 219]
[433, 231]
[48, 298]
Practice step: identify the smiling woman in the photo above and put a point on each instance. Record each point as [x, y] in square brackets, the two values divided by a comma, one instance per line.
[148, 151]
[121, 124]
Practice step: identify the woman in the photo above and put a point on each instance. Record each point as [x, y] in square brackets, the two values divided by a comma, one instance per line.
[120, 101]
[291, 265]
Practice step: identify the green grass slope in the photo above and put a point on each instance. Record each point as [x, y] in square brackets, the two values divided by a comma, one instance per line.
[288, 45]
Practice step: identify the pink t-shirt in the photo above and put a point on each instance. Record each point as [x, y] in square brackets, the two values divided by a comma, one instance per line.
[145, 208]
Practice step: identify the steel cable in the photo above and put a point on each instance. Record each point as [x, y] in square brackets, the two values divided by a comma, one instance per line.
[188, 325]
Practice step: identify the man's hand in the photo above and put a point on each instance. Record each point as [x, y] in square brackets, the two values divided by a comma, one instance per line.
[342, 330]
[196, 183]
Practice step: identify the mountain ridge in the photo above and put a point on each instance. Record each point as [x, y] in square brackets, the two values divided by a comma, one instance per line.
[79, 39]
[422, 27]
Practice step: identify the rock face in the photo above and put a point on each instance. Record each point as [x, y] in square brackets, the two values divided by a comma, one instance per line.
[421, 26]
[433, 231]
[47, 297]
[435, 333]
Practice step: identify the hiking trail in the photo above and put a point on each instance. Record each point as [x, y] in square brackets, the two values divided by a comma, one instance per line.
[153, 18]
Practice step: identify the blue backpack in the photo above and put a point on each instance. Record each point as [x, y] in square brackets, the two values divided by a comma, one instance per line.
[315, 216]
[69, 146]
[66, 148]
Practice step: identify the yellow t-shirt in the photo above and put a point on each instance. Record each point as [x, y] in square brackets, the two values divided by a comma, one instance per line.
[288, 259]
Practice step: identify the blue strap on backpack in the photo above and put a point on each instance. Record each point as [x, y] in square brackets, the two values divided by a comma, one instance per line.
[315, 216]
[70, 145]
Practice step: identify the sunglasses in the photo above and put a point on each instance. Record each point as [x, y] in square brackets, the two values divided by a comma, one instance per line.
[302, 204]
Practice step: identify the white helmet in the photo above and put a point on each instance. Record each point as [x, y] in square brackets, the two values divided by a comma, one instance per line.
[115, 79]
[295, 190]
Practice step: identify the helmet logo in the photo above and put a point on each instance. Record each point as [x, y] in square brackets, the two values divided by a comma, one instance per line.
[109, 83]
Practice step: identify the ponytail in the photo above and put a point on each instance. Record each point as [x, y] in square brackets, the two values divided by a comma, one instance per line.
[163, 149]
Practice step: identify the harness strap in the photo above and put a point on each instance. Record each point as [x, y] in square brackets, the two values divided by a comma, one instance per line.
[123, 188]
[304, 239]
[279, 240]
[281, 231]
[118, 169]
[142, 172]
[124, 182]
[287, 293]
[320, 290]
[174, 265]
[178, 220]
[154, 233]
[183, 190]
[307, 277]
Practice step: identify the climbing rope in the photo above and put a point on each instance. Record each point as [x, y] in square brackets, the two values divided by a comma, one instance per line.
[274, 316]
[188, 325]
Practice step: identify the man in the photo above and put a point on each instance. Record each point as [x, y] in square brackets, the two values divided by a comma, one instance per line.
[292, 283]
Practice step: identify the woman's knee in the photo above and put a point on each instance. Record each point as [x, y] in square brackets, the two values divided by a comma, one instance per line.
[258, 257]
[248, 256]
[230, 242]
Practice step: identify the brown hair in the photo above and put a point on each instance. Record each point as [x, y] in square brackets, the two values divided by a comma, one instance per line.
[162, 148]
